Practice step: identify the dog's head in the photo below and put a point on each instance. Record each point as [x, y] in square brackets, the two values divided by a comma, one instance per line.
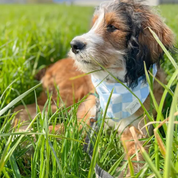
[120, 40]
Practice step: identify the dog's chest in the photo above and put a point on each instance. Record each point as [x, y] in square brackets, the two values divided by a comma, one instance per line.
[120, 125]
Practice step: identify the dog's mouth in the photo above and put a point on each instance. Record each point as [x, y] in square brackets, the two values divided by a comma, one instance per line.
[81, 58]
[86, 62]
[82, 61]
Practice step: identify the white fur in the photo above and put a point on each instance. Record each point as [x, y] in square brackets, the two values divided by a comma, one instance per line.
[97, 23]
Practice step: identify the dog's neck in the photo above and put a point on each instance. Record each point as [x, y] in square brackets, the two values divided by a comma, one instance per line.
[105, 76]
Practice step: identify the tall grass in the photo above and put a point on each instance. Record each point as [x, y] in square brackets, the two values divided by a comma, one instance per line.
[34, 36]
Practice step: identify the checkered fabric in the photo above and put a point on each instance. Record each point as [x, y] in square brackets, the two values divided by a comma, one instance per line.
[123, 103]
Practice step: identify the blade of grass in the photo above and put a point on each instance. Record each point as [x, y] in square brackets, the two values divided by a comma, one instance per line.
[169, 137]
[16, 100]
[116, 164]
[129, 160]
[83, 75]
[8, 88]
[144, 154]
[14, 166]
[95, 150]
[57, 160]
[157, 110]
[164, 49]
[4, 153]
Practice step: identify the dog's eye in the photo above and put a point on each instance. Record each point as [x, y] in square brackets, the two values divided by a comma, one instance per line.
[111, 28]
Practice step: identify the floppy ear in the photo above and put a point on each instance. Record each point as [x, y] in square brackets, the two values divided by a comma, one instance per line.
[141, 44]
[164, 33]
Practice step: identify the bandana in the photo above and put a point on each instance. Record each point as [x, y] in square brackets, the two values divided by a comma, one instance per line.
[123, 103]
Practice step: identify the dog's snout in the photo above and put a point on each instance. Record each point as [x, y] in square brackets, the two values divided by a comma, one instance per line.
[77, 46]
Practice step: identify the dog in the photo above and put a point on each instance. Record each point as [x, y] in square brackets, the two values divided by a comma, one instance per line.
[119, 44]
[117, 47]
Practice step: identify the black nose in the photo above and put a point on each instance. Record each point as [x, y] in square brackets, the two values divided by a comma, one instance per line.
[77, 46]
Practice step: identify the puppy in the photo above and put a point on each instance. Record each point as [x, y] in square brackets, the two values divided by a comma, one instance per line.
[117, 46]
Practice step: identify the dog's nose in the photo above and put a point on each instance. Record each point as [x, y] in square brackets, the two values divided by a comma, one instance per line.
[77, 46]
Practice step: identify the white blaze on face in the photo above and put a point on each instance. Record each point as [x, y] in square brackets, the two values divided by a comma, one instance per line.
[97, 23]
[92, 38]
[92, 34]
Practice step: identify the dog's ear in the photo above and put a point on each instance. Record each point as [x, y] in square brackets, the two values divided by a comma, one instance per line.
[141, 44]
[163, 32]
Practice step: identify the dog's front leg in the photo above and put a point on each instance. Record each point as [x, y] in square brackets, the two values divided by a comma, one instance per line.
[129, 138]
[86, 110]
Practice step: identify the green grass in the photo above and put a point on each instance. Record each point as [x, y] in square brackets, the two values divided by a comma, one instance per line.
[35, 36]
[32, 37]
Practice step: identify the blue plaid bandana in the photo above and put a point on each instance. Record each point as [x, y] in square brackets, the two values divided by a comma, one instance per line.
[123, 103]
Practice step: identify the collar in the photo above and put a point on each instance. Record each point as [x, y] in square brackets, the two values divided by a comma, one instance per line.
[123, 103]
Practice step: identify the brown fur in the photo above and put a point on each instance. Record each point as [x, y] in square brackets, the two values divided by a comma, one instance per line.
[117, 38]
[164, 33]
[59, 75]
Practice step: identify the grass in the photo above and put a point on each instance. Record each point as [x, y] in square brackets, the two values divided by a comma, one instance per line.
[33, 37]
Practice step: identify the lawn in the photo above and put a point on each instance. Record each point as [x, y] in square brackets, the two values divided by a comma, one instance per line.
[32, 37]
